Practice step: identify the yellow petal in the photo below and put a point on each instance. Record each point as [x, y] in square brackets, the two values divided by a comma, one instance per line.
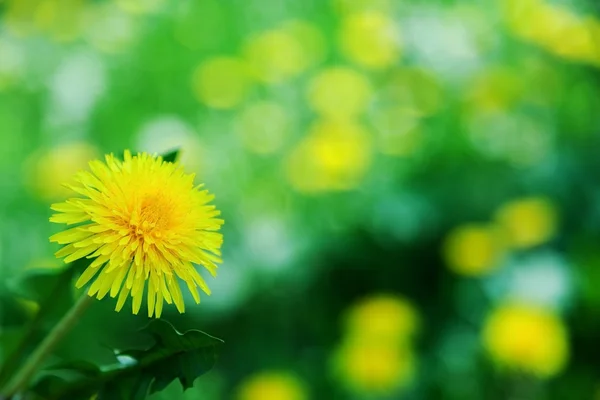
[122, 297]
[86, 276]
[70, 236]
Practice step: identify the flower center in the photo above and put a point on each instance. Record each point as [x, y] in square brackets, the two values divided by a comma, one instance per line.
[152, 216]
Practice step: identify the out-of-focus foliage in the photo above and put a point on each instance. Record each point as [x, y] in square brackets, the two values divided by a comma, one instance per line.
[410, 189]
[173, 356]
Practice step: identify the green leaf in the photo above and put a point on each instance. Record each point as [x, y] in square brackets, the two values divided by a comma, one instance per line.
[42, 284]
[170, 156]
[15, 312]
[174, 355]
[37, 284]
[57, 377]
[51, 290]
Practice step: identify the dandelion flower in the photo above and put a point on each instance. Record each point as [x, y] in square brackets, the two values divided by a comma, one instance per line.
[272, 385]
[141, 220]
[527, 338]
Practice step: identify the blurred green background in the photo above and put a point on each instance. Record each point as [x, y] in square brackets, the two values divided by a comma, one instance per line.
[411, 190]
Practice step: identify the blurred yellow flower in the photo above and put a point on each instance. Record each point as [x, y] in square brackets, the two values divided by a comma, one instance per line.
[555, 28]
[473, 249]
[275, 56]
[370, 39]
[335, 155]
[263, 126]
[18, 16]
[528, 222]
[382, 318]
[526, 338]
[221, 82]
[339, 93]
[369, 367]
[62, 20]
[144, 221]
[583, 44]
[519, 15]
[47, 170]
[272, 385]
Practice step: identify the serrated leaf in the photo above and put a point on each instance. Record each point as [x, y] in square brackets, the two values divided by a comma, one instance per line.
[174, 355]
[170, 156]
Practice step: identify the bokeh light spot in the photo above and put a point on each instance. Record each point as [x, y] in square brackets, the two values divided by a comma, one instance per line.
[272, 385]
[263, 126]
[370, 40]
[473, 249]
[50, 169]
[339, 92]
[333, 156]
[382, 318]
[275, 56]
[528, 222]
[526, 338]
[373, 368]
[221, 82]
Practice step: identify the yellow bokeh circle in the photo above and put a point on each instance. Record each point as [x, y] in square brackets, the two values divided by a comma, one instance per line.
[274, 56]
[339, 92]
[263, 126]
[473, 249]
[383, 318]
[373, 368]
[48, 169]
[335, 155]
[221, 82]
[370, 39]
[272, 385]
[528, 222]
[526, 338]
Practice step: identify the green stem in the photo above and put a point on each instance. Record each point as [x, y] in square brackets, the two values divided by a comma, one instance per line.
[13, 361]
[21, 380]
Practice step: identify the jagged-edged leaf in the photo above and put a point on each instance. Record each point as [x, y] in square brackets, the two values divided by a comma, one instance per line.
[174, 355]
[171, 156]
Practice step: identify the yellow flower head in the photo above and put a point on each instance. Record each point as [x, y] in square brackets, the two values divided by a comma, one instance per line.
[141, 220]
[473, 249]
[382, 318]
[373, 367]
[272, 385]
[370, 39]
[527, 338]
[528, 222]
